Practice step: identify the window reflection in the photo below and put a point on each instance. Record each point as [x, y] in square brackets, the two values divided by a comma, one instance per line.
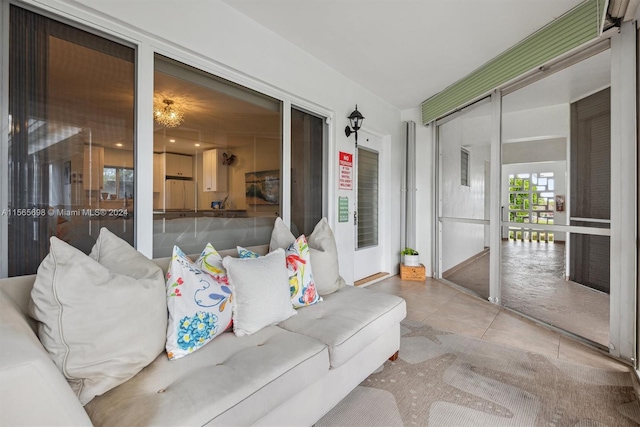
[217, 172]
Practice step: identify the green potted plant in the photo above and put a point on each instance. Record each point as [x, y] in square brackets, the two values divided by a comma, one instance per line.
[411, 258]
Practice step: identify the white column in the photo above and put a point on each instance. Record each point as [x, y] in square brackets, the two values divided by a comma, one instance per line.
[495, 213]
[143, 201]
[622, 334]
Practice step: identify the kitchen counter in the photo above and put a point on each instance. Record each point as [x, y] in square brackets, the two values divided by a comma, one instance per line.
[192, 234]
[216, 213]
[225, 213]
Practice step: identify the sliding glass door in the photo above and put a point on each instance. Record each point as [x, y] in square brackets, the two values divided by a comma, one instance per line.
[464, 201]
[555, 198]
[563, 172]
[551, 260]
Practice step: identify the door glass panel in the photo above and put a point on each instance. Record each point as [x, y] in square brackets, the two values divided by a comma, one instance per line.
[556, 177]
[369, 258]
[464, 181]
[367, 198]
[217, 169]
[71, 139]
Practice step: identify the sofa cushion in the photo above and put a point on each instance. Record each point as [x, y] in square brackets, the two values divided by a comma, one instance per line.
[33, 391]
[248, 376]
[260, 291]
[199, 304]
[100, 327]
[324, 253]
[348, 320]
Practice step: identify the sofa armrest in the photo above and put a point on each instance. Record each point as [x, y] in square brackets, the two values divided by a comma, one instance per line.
[34, 391]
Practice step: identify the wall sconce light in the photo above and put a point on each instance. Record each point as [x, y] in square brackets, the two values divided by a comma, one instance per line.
[355, 119]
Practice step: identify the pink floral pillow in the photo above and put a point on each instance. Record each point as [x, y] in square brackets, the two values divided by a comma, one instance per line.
[301, 284]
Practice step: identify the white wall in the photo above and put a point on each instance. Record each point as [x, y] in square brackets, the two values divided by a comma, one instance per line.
[461, 241]
[215, 37]
[544, 122]
[535, 150]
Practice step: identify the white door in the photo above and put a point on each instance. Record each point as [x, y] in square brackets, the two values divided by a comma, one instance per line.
[369, 248]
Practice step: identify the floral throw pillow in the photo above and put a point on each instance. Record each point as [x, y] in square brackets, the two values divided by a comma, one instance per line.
[211, 262]
[245, 253]
[301, 283]
[198, 302]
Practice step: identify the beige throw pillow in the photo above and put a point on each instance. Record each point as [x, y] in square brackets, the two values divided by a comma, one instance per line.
[103, 319]
[323, 250]
[261, 295]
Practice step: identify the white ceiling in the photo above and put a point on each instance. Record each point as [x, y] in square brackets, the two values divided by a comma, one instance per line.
[404, 50]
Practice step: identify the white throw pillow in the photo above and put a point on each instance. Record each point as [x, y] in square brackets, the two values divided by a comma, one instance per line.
[301, 283]
[261, 294]
[101, 327]
[198, 299]
[323, 252]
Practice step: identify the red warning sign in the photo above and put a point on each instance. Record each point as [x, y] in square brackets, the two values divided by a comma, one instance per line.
[345, 166]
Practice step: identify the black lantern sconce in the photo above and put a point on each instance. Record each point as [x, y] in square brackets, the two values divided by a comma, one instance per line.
[355, 119]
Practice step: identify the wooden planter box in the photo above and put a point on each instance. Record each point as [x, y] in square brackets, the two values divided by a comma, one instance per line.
[412, 273]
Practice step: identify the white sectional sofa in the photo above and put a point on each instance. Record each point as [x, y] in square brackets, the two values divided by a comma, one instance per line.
[288, 374]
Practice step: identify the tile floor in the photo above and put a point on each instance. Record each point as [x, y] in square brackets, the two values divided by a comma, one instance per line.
[545, 295]
[444, 307]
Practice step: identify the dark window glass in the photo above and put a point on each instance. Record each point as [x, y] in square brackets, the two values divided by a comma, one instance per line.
[71, 109]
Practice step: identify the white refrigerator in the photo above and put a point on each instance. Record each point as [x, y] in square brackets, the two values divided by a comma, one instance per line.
[180, 194]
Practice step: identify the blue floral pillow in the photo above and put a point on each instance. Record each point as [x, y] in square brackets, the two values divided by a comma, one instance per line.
[199, 303]
[246, 253]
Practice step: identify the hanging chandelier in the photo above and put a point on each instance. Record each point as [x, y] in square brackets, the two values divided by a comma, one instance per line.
[167, 114]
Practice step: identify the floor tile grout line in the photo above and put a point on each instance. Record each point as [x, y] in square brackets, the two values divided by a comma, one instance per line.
[490, 324]
[440, 306]
[434, 312]
[450, 299]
